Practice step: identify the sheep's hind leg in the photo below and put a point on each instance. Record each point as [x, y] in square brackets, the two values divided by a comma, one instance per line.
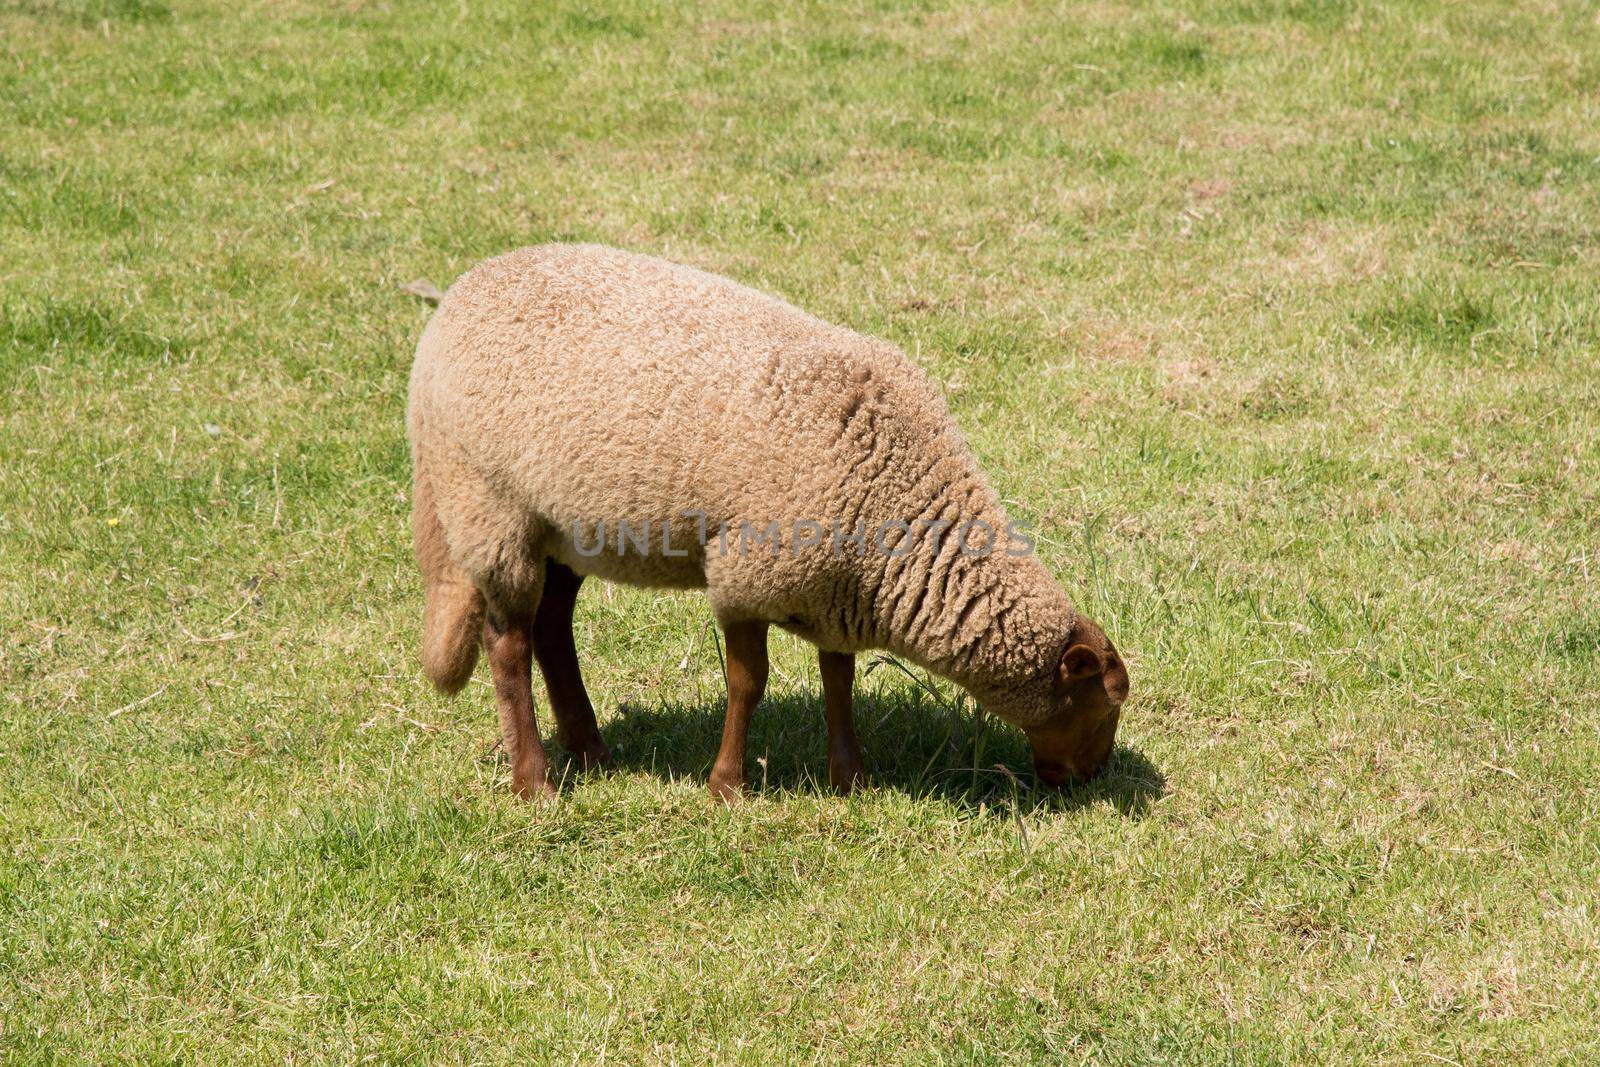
[747, 681]
[553, 647]
[844, 752]
[508, 637]
[512, 600]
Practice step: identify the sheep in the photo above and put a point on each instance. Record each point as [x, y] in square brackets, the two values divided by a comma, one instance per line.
[578, 411]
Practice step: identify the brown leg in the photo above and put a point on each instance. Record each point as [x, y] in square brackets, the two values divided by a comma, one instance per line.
[844, 753]
[576, 730]
[509, 641]
[747, 680]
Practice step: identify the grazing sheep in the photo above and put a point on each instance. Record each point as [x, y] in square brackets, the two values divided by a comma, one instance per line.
[580, 411]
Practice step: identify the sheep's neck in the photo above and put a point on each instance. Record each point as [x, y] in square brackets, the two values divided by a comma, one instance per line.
[985, 620]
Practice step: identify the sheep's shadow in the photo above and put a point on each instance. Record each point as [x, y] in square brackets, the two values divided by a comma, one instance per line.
[909, 743]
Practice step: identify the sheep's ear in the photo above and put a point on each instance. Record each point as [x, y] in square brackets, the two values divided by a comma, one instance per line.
[1079, 662]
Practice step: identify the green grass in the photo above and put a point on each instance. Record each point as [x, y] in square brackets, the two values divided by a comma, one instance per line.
[1280, 319]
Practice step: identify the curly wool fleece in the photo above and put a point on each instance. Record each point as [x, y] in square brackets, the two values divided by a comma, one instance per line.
[563, 390]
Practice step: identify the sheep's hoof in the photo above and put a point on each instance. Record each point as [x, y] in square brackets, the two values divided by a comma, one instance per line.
[534, 787]
[590, 755]
[846, 777]
[726, 789]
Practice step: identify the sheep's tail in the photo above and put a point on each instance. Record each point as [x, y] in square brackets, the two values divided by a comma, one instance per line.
[452, 617]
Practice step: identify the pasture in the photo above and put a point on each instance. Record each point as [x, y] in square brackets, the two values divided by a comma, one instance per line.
[1279, 319]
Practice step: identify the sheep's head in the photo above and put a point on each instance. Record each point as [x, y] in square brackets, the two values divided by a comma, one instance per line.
[1087, 690]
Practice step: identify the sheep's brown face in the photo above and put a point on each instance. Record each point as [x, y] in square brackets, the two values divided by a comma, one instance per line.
[1090, 686]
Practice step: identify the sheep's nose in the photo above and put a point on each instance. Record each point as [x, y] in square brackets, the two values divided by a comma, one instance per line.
[1056, 773]
[1051, 772]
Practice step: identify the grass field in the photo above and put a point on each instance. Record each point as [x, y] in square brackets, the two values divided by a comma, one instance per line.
[1280, 318]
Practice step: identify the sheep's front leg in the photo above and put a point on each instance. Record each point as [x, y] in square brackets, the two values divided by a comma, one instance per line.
[508, 638]
[747, 680]
[844, 752]
[557, 656]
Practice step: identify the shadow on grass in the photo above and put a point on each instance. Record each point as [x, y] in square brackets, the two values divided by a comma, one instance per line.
[921, 747]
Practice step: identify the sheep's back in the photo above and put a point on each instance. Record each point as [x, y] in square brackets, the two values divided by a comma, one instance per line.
[588, 384]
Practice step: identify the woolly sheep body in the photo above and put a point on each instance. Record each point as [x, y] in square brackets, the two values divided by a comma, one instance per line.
[561, 391]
